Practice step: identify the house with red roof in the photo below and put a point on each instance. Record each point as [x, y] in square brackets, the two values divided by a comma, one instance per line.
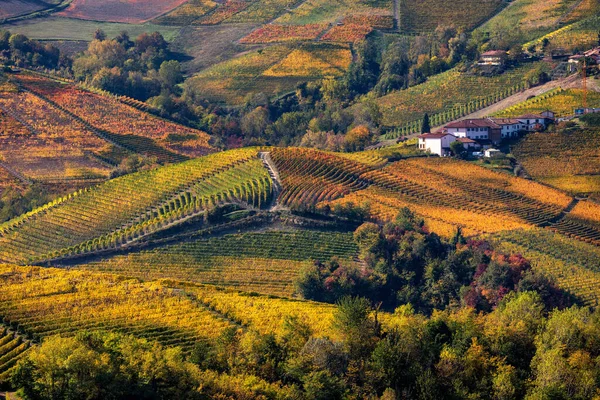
[476, 129]
[436, 143]
[493, 58]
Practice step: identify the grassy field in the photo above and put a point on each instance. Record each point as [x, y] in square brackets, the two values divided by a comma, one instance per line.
[59, 28]
[425, 16]
[449, 90]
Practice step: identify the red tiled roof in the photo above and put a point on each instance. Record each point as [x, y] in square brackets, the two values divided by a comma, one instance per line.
[433, 135]
[531, 116]
[472, 123]
[494, 53]
[465, 140]
[506, 121]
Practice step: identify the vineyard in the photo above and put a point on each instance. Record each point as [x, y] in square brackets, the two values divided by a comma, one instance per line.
[130, 11]
[120, 122]
[449, 193]
[448, 96]
[530, 19]
[573, 264]
[562, 102]
[40, 302]
[275, 70]
[129, 208]
[333, 11]
[42, 142]
[579, 35]
[12, 348]
[568, 161]
[259, 262]
[311, 176]
[426, 16]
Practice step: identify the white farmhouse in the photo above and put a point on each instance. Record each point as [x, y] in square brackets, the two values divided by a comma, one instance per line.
[436, 143]
[510, 127]
[533, 122]
[475, 129]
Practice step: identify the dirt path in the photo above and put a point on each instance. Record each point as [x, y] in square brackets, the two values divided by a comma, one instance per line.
[265, 156]
[570, 82]
[566, 83]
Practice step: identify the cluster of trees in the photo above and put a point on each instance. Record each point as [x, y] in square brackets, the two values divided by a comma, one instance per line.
[406, 264]
[15, 201]
[20, 51]
[518, 350]
[142, 68]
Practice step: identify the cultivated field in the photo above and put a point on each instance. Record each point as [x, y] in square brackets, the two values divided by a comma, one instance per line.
[59, 28]
[134, 129]
[273, 71]
[573, 264]
[569, 161]
[131, 207]
[451, 92]
[562, 102]
[425, 16]
[129, 11]
[265, 262]
[525, 20]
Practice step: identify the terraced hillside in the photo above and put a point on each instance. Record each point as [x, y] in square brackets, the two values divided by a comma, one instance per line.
[275, 70]
[568, 161]
[119, 122]
[131, 207]
[573, 264]
[12, 348]
[265, 262]
[452, 93]
[449, 193]
[46, 301]
[562, 102]
[426, 16]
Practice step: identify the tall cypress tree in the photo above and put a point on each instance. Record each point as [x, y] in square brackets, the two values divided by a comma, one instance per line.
[425, 126]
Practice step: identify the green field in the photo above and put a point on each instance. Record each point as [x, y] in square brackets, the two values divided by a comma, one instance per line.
[58, 28]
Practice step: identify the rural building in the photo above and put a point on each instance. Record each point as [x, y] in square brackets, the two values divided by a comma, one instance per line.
[533, 122]
[493, 57]
[588, 110]
[476, 129]
[436, 143]
[492, 153]
[469, 144]
[509, 127]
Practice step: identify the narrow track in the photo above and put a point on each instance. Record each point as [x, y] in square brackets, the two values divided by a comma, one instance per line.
[265, 156]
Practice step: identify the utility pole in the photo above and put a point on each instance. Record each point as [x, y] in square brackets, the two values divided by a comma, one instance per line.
[584, 71]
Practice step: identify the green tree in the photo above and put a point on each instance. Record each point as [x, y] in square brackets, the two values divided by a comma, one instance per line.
[170, 73]
[425, 126]
[458, 149]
